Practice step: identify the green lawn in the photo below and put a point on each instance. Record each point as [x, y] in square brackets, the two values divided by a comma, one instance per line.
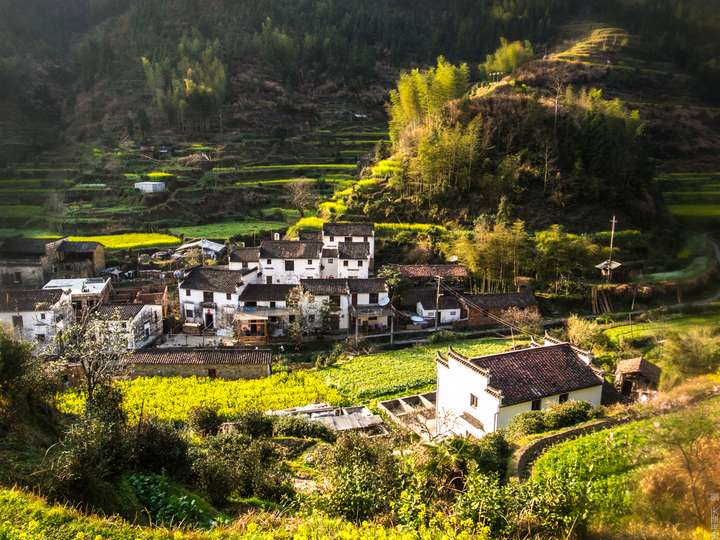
[229, 229]
[385, 374]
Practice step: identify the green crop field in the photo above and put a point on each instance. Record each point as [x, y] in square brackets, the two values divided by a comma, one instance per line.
[318, 166]
[649, 329]
[376, 376]
[130, 240]
[172, 398]
[695, 211]
[20, 211]
[229, 229]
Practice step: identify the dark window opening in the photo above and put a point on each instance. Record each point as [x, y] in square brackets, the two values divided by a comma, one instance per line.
[563, 398]
[473, 400]
[228, 296]
[207, 296]
[212, 373]
[374, 298]
[188, 292]
[535, 405]
[289, 266]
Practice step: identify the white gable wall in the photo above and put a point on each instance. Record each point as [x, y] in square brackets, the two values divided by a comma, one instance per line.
[355, 268]
[275, 270]
[592, 395]
[447, 316]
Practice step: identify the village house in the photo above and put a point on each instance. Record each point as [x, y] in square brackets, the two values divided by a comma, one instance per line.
[334, 233]
[479, 395]
[222, 362]
[85, 293]
[244, 258]
[289, 261]
[484, 309]
[148, 294]
[446, 308]
[263, 313]
[142, 324]
[353, 260]
[209, 295]
[637, 379]
[206, 248]
[31, 262]
[35, 315]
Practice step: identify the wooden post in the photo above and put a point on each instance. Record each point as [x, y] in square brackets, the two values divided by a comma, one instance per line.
[437, 303]
[392, 328]
[357, 327]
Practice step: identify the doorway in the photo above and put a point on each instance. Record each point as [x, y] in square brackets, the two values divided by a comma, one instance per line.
[209, 320]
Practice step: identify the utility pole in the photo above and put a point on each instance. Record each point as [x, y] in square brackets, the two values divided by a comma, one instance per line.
[437, 302]
[613, 221]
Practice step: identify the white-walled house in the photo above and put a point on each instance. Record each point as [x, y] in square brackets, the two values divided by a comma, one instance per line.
[476, 396]
[35, 315]
[263, 311]
[288, 261]
[427, 305]
[353, 260]
[244, 258]
[334, 233]
[209, 295]
[84, 292]
[142, 324]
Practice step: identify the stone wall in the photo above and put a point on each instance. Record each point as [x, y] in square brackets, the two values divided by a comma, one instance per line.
[222, 371]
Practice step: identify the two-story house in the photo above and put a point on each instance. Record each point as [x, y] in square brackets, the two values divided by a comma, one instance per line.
[263, 312]
[209, 295]
[244, 258]
[289, 261]
[353, 260]
[141, 324]
[85, 293]
[479, 395]
[35, 315]
[334, 233]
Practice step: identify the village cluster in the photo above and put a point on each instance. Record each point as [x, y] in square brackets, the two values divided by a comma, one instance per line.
[228, 315]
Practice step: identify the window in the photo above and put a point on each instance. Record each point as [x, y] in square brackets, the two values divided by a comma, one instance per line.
[364, 238]
[268, 280]
[289, 266]
[244, 265]
[374, 298]
[310, 261]
[291, 319]
[212, 373]
[40, 338]
[345, 263]
[360, 263]
[473, 400]
[269, 261]
[187, 292]
[535, 405]
[17, 321]
[228, 296]
[348, 239]
[330, 261]
[189, 313]
[452, 313]
[332, 238]
[42, 316]
[17, 277]
[311, 318]
[563, 398]
[272, 304]
[207, 296]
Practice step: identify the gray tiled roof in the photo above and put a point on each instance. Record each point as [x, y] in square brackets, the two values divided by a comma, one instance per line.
[326, 287]
[248, 254]
[198, 356]
[122, 312]
[261, 292]
[370, 285]
[431, 270]
[290, 249]
[428, 298]
[78, 247]
[353, 250]
[24, 247]
[348, 229]
[27, 300]
[214, 278]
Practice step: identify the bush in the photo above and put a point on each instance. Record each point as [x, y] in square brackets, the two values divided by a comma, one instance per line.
[527, 423]
[568, 414]
[443, 336]
[204, 420]
[492, 454]
[363, 478]
[254, 424]
[158, 446]
[297, 426]
[107, 405]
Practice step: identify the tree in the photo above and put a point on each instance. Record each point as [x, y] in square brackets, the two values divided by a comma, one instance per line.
[694, 352]
[301, 196]
[583, 333]
[98, 344]
[302, 302]
[508, 57]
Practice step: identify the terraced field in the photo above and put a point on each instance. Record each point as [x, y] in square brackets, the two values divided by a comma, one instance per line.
[244, 192]
[693, 197]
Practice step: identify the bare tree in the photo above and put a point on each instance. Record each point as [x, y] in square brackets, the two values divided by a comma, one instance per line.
[301, 196]
[98, 344]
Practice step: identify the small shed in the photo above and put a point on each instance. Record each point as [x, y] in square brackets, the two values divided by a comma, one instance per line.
[637, 379]
[150, 187]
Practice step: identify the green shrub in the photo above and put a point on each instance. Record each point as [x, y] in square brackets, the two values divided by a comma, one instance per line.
[296, 426]
[443, 336]
[492, 453]
[527, 423]
[363, 477]
[107, 405]
[204, 420]
[568, 414]
[254, 424]
[158, 446]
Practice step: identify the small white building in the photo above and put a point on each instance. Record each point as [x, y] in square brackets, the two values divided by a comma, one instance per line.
[244, 258]
[84, 292]
[289, 261]
[264, 302]
[209, 295]
[150, 187]
[35, 315]
[476, 396]
[141, 323]
[428, 305]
